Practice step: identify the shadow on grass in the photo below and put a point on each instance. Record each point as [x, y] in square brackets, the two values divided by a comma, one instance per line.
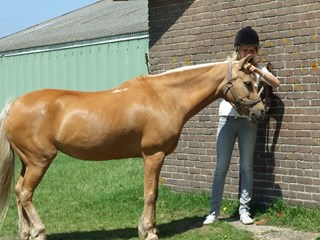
[125, 233]
[166, 230]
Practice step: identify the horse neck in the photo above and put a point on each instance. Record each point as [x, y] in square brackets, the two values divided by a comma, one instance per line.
[195, 88]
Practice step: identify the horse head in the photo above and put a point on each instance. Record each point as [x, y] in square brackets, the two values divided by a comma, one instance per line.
[241, 90]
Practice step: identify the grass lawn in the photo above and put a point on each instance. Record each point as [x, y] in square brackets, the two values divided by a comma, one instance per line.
[104, 200]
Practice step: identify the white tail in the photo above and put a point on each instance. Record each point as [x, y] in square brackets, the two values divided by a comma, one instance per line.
[6, 167]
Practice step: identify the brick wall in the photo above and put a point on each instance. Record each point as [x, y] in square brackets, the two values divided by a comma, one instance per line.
[287, 162]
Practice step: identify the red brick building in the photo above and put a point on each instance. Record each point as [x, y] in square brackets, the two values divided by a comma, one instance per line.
[287, 158]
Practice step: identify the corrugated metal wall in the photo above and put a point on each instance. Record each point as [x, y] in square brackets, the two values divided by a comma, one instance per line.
[88, 68]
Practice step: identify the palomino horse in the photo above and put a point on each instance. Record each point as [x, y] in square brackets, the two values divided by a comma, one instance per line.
[140, 118]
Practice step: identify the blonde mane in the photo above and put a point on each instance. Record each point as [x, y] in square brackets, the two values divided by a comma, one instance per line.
[185, 68]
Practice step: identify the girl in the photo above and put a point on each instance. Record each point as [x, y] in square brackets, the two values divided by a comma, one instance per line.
[234, 126]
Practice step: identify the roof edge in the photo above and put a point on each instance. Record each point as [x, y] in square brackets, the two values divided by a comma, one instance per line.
[76, 44]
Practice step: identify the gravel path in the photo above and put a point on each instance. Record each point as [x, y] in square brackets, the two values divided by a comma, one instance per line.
[264, 232]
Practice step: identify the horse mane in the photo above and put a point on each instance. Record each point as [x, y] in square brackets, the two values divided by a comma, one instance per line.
[185, 68]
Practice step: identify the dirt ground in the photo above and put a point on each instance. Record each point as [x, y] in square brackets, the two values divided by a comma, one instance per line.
[264, 232]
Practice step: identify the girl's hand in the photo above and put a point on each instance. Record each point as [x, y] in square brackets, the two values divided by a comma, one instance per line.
[251, 68]
[266, 76]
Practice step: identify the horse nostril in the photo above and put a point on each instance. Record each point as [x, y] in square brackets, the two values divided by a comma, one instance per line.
[257, 116]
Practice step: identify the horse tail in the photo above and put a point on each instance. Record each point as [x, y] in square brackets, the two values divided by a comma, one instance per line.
[6, 167]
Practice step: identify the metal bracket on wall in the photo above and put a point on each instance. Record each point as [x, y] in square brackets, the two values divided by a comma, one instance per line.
[147, 62]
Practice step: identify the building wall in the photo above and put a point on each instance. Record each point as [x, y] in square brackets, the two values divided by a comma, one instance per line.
[287, 162]
[86, 67]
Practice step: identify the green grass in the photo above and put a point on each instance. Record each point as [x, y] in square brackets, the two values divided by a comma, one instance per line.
[104, 200]
[296, 217]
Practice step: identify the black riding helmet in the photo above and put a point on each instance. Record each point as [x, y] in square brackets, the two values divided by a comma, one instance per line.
[246, 36]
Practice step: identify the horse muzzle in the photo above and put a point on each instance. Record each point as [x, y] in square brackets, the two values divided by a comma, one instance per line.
[257, 115]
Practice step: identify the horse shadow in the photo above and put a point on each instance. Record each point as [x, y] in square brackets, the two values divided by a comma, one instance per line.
[265, 188]
[167, 230]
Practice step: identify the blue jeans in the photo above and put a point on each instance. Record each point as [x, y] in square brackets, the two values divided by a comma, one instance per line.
[229, 129]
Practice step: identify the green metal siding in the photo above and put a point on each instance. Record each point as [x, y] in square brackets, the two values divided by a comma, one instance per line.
[87, 68]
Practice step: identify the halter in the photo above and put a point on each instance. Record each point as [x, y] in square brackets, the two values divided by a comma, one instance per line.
[238, 102]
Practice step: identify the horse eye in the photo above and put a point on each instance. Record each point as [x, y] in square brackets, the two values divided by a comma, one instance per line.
[248, 84]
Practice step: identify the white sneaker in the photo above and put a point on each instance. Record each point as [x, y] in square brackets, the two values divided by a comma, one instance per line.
[211, 218]
[245, 218]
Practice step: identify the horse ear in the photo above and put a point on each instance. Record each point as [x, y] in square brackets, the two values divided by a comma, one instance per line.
[244, 61]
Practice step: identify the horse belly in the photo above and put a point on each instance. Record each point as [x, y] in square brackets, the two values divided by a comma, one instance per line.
[101, 148]
[99, 154]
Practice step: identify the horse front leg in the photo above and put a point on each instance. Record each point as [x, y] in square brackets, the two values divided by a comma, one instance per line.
[152, 168]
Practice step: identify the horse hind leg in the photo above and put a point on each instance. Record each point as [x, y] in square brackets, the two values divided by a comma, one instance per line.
[24, 224]
[31, 226]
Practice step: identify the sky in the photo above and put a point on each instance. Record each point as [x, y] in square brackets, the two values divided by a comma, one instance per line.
[17, 15]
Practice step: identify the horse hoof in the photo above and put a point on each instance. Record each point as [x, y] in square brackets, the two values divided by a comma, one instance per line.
[40, 237]
[151, 234]
[148, 236]
[152, 237]
[24, 236]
